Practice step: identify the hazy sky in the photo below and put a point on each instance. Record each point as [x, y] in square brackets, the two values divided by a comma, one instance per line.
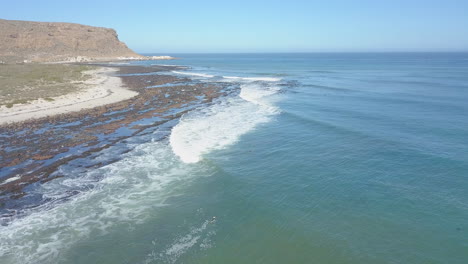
[172, 26]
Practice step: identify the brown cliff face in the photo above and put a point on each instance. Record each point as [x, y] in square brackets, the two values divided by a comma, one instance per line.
[51, 42]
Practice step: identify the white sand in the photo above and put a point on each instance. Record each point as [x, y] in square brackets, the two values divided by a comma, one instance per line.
[101, 89]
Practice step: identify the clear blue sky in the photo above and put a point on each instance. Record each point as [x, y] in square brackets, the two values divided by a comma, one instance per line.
[172, 26]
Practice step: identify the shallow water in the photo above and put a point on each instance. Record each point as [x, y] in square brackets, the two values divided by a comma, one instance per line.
[318, 158]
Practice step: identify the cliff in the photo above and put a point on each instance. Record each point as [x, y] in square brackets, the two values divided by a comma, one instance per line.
[25, 41]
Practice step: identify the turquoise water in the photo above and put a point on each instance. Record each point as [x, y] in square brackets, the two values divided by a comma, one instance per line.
[319, 158]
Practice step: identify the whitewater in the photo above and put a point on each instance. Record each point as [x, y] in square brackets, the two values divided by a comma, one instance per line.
[129, 192]
[306, 158]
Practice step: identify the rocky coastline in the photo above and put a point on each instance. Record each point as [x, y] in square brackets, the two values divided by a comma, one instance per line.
[34, 150]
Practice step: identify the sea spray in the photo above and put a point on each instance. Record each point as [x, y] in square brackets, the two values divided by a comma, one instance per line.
[221, 124]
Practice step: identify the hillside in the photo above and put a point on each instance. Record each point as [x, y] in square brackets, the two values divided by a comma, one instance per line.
[22, 41]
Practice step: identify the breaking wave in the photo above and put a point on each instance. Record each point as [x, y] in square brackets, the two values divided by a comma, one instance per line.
[126, 192]
[221, 124]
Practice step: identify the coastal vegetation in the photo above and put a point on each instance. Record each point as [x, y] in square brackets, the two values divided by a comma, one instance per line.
[22, 83]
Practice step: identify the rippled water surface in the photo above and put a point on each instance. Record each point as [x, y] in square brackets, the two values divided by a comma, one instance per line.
[316, 158]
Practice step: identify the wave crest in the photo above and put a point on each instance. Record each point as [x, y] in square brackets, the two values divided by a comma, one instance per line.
[221, 124]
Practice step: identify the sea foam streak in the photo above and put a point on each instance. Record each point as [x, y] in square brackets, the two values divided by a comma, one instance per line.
[222, 124]
[266, 79]
[197, 236]
[194, 74]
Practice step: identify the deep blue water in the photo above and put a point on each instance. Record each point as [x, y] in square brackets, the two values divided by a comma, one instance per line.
[321, 158]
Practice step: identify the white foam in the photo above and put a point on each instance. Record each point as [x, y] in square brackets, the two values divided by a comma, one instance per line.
[196, 236]
[194, 74]
[265, 79]
[11, 179]
[221, 124]
[124, 192]
[256, 93]
[172, 65]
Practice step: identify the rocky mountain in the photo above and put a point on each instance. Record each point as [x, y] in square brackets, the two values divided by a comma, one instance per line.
[26, 41]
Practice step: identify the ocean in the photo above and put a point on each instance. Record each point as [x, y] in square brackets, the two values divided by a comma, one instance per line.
[315, 158]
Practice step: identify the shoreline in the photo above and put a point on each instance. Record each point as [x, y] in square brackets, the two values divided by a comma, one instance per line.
[101, 89]
[34, 150]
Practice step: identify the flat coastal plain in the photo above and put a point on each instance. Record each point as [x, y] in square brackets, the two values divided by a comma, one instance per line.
[35, 91]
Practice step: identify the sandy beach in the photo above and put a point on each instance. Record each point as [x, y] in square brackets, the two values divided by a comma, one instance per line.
[101, 89]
